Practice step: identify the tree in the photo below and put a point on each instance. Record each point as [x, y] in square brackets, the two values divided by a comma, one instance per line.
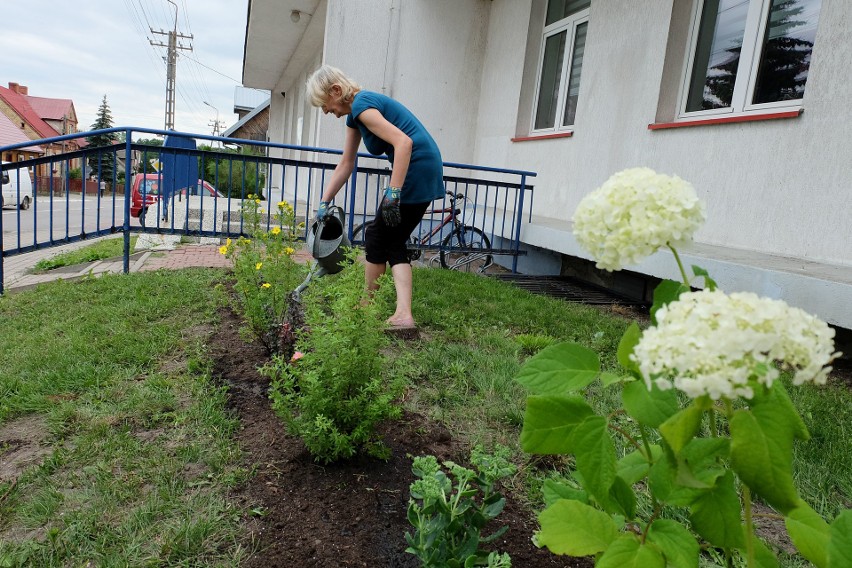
[102, 163]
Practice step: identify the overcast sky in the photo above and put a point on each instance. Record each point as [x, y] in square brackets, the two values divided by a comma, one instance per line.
[85, 49]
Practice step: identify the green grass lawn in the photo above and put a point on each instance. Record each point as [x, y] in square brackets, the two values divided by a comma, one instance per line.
[138, 447]
[107, 248]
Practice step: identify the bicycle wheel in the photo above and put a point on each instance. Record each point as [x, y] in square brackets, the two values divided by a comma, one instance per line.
[466, 239]
[358, 233]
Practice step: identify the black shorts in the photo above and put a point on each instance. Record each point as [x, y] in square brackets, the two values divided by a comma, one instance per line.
[389, 245]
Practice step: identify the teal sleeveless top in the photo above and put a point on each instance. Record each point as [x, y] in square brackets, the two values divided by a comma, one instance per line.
[424, 181]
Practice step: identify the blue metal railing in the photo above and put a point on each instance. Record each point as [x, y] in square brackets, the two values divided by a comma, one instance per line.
[85, 193]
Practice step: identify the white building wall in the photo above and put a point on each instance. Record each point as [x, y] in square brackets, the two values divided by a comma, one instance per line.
[778, 187]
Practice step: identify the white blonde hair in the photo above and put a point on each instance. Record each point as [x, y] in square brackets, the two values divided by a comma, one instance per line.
[320, 82]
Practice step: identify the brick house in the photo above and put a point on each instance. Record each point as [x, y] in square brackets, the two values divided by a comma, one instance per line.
[42, 117]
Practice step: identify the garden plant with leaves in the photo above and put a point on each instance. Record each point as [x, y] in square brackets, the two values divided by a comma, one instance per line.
[449, 509]
[335, 395]
[264, 267]
[707, 422]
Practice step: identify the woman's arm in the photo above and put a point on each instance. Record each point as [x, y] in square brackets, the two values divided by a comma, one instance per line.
[379, 125]
[344, 168]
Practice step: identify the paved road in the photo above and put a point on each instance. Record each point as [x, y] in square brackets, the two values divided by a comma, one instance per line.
[61, 217]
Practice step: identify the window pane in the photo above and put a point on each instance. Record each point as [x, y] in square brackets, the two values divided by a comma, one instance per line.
[551, 75]
[574, 77]
[786, 54]
[717, 54]
[558, 9]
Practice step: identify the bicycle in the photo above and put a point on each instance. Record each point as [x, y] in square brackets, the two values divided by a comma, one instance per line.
[459, 249]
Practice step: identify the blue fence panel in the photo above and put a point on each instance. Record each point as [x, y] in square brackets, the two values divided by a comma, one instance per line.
[85, 193]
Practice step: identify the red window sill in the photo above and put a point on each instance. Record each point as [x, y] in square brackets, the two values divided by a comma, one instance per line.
[726, 119]
[543, 136]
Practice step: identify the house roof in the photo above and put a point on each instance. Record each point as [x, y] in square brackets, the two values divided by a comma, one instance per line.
[11, 134]
[20, 105]
[244, 120]
[51, 109]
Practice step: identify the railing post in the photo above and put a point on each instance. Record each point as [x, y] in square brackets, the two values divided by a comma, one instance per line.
[520, 218]
[352, 185]
[128, 175]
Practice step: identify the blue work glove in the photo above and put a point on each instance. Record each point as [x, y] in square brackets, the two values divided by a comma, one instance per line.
[390, 206]
[322, 210]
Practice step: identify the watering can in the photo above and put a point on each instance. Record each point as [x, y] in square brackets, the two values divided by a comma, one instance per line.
[326, 239]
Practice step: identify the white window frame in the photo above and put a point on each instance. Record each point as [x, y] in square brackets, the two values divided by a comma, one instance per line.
[570, 25]
[755, 30]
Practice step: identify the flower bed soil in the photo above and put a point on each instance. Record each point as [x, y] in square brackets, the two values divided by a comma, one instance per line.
[343, 514]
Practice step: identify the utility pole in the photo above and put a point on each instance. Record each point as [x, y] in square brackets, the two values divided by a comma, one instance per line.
[216, 124]
[171, 67]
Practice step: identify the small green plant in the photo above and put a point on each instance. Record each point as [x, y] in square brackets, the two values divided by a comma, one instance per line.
[532, 343]
[335, 393]
[449, 509]
[264, 268]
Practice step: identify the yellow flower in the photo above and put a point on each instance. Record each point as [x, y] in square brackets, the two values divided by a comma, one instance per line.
[275, 230]
[228, 243]
[258, 265]
[257, 201]
[266, 285]
[301, 225]
[223, 249]
[289, 250]
[250, 196]
[282, 204]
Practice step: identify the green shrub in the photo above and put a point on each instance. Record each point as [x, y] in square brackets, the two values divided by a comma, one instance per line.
[335, 395]
[266, 272]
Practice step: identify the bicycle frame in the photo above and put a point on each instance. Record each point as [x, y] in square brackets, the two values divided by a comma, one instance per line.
[452, 216]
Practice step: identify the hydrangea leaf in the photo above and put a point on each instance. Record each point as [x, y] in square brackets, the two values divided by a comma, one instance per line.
[650, 407]
[628, 552]
[716, 514]
[608, 379]
[680, 428]
[595, 455]
[622, 499]
[762, 455]
[662, 480]
[678, 545]
[553, 490]
[576, 529]
[560, 369]
[763, 556]
[635, 465]
[840, 544]
[810, 533]
[701, 272]
[549, 422]
[625, 347]
[666, 291]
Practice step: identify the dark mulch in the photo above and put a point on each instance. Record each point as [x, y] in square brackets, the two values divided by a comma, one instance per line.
[343, 514]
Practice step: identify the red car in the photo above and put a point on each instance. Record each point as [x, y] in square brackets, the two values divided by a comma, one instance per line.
[149, 185]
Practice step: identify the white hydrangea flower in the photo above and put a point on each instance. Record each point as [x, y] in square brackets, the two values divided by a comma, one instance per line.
[634, 213]
[711, 343]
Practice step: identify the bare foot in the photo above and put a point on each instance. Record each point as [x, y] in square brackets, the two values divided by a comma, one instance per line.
[400, 322]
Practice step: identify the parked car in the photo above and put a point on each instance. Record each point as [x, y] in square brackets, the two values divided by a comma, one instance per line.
[17, 188]
[149, 186]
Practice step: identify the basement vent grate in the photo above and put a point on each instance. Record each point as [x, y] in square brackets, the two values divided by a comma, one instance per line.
[568, 289]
